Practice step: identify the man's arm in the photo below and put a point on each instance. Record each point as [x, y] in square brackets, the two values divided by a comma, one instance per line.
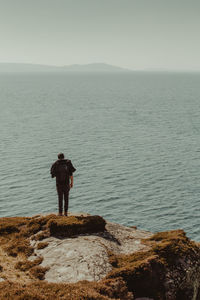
[71, 181]
[53, 170]
[72, 170]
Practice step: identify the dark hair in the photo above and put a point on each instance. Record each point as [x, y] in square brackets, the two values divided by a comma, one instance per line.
[61, 156]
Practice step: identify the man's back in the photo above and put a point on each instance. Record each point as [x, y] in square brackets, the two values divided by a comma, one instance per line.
[61, 170]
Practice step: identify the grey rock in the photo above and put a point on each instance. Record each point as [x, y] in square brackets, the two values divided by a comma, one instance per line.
[85, 257]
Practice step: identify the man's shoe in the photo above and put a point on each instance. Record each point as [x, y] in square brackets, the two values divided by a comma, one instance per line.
[60, 214]
[65, 214]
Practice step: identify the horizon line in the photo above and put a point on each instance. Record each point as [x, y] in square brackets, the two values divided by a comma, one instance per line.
[152, 69]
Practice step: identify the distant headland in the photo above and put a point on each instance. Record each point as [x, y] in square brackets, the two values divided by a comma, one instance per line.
[93, 68]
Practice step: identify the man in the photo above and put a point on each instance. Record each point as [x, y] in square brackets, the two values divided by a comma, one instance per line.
[63, 170]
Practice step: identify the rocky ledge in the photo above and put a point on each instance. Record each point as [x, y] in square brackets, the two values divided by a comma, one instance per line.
[85, 257]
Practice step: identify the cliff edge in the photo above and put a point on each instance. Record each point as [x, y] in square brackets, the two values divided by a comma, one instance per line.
[86, 257]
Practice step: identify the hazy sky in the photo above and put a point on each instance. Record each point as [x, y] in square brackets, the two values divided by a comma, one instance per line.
[136, 34]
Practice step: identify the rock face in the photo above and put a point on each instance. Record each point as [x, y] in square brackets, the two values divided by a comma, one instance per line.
[86, 257]
[170, 270]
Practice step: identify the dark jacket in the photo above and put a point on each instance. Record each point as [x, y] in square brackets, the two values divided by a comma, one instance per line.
[55, 170]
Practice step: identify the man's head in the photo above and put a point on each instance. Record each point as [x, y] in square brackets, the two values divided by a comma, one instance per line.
[61, 156]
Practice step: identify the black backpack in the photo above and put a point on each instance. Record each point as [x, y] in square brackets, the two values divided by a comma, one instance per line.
[62, 172]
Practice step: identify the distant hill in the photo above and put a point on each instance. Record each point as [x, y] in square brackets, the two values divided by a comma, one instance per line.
[96, 67]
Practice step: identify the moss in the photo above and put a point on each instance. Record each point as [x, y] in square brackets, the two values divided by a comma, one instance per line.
[41, 236]
[10, 225]
[42, 245]
[16, 233]
[72, 225]
[145, 271]
[38, 272]
[113, 259]
[27, 265]
[168, 235]
[17, 246]
[33, 267]
[106, 290]
[172, 245]
[114, 289]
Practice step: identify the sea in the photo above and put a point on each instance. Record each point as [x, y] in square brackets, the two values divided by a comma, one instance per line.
[134, 139]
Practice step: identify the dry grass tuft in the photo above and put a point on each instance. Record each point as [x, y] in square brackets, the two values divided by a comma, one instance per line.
[70, 226]
[10, 225]
[27, 265]
[106, 290]
[19, 245]
[38, 272]
[174, 244]
[41, 235]
[42, 245]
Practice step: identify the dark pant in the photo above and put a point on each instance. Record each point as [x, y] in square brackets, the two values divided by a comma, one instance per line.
[63, 190]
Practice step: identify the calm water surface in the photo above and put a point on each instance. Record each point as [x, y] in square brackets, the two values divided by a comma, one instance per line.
[134, 139]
